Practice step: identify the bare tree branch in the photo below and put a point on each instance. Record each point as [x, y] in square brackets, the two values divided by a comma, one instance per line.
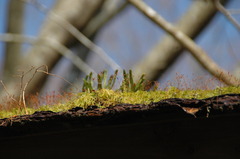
[166, 51]
[17, 38]
[221, 9]
[63, 50]
[234, 11]
[76, 33]
[195, 50]
[109, 10]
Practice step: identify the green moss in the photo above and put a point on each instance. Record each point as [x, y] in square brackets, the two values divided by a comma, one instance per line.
[129, 92]
[106, 98]
[15, 112]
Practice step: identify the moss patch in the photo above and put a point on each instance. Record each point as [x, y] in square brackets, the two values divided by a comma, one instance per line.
[107, 98]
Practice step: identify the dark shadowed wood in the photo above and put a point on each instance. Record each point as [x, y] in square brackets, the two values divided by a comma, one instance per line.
[158, 130]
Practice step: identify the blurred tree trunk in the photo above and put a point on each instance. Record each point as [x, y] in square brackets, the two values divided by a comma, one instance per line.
[13, 50]
[167, 50]
[78, 13]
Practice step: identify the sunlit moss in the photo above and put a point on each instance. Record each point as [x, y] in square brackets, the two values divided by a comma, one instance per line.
[107, 98]
[15, 112]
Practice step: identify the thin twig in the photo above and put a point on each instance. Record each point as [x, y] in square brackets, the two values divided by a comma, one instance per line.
[51, 74]
[24, 87]
[197, 52]
[4, 87]
[221, 9]
[22, 91]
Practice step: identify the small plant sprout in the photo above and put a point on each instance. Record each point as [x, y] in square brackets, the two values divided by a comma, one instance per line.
[103, 82]
[88, 83]
[128, 84]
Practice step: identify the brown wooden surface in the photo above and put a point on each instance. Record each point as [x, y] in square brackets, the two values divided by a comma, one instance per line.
[155, 131]
[214, 137]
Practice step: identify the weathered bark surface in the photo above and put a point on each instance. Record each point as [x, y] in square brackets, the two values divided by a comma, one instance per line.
[129, 131]
[174, 108]
[191, 138]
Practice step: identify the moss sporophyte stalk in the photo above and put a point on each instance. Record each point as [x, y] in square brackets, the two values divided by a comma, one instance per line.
[132, 92]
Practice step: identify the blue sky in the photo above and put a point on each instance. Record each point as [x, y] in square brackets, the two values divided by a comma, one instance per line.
[128, 37]
[2, 27]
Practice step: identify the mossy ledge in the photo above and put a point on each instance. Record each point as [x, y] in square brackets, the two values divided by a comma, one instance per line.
[100, 93]
[107, 98]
